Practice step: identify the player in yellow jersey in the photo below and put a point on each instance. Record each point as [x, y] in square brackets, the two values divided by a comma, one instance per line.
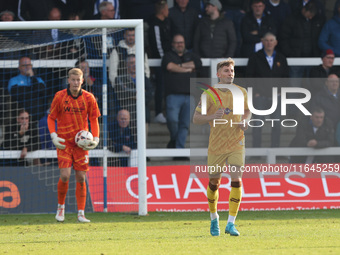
[72, 108]
[226, 144]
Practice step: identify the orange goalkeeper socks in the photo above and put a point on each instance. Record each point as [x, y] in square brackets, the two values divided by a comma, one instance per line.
[62, 191]
[81, 195]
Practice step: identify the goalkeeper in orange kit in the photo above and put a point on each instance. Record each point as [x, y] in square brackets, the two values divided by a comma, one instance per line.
[226, 145]
[72, 107]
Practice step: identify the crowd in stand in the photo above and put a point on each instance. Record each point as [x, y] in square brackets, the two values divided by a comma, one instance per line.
[264, 31]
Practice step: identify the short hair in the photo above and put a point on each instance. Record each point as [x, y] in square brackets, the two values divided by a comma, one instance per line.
[103, 5]
[257, 1]
[317, 109]
[129, 29]
[81, 60]
[311, 7]
[128, 57]
[268, 34]
[75, 71]
[160, 5]
[227, 62]
[20, 111]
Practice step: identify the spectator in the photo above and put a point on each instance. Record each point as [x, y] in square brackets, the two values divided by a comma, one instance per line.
[23, 136]
[254, 25]
[106, 11]
[300, 33]
[45, 138]
[44, 134]
[125, 90]
[279, 11]
[7, 15]
[179, 66]
[55, 49]
[316, 132]
[99, 12]
[296, 6]
[267, 63]
[28, 90]
[94, 85]
[329, 99]
[31, 10]
[9, 5]
[330, 36]
[184, 20]
[215, 35]
[118, 56]
[235, 11]
[321, 71]
[160, 42]
[122, 136]
[159, 31]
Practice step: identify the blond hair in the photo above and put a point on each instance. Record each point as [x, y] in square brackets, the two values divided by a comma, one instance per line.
[75, 71]
[227, 62]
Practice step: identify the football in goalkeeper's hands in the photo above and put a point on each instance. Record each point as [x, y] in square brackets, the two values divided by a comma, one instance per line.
[83, 138]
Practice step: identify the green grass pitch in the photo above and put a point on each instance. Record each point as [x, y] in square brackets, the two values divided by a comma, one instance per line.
[284, 232]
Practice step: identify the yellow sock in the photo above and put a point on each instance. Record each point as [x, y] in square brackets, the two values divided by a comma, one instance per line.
[234, 200]
[212, 199]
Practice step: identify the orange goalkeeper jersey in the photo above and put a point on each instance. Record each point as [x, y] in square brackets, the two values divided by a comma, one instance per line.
[72, 113]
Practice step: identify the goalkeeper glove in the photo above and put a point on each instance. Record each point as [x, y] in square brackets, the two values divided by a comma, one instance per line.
[57, 141]
[93, 144]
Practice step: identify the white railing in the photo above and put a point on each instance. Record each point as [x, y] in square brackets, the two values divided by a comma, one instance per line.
[269, 153]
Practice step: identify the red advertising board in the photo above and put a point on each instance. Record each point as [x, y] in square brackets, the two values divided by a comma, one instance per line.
[176, 188]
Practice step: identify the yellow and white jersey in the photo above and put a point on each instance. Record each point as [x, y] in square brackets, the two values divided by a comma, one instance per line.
[224, 138]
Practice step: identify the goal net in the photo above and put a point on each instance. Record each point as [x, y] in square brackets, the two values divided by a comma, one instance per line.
[35, 58]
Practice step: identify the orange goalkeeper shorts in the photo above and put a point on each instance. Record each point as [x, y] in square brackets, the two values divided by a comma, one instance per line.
[75, 155]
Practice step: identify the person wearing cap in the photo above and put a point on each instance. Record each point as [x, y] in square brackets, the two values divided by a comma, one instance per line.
[7, 16]
[254, 26]
[322, 71]
[215, 36]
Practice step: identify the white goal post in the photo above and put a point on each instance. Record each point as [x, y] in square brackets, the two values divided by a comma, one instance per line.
[107, 24]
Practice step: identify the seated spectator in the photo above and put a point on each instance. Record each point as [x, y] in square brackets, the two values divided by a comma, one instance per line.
[321, 71]
[44, 134]
[316, 132]
[125, 47]
[184, 20]
[95, 86]
[125, 89]
[56, 40]
[300, 33]
[105, 10]
[32, 10]
[330, 36]
[23, 136]
[215, 35]
[179, 66]
[7, 16]
[28, 90]
[267, 63]
[329, 99]
[254, 26]
[99, 9]
[122, 136]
